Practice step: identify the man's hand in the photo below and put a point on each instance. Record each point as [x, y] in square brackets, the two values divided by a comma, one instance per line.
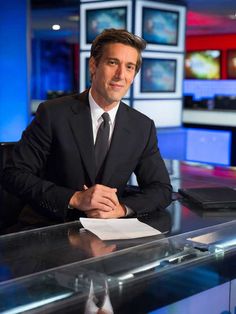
[118, 212]
[98, 197]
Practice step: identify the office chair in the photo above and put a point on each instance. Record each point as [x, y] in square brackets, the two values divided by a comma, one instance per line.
[10, 205]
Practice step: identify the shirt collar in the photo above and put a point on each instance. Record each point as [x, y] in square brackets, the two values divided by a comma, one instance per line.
[97, 111]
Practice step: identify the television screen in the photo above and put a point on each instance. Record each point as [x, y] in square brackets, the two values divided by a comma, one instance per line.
[158, 75]
[202, 65]
[160, 26]
[99, 19]
[231, 64]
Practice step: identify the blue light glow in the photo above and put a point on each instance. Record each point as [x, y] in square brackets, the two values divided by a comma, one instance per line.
[14, 91]
[209, 146]
[209, 88]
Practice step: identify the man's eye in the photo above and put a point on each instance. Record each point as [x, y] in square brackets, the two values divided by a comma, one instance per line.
[131, 67]
[112, 62]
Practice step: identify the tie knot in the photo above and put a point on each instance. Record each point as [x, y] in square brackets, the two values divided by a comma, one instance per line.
[106, 117]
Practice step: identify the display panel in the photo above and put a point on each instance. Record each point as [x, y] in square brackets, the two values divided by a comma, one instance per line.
[209, 146]
[231, 64]
[203, 64]
[209, 88]
[164, 113]
[162, 25]
[94, 19]
[160, 76]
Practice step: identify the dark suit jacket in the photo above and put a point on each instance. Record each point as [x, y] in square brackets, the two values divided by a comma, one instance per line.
[55, 158]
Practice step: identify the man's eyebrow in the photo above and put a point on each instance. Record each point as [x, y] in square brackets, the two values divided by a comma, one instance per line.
[112, 58]
[116, 59]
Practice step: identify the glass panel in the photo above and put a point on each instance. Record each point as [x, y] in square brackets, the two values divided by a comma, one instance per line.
[178, 265]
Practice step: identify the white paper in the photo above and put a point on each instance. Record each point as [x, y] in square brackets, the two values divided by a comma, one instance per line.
[114, 229]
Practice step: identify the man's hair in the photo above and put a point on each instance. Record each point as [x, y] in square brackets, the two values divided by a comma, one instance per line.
[122, 36]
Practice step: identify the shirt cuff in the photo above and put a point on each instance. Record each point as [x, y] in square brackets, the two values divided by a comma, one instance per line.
[129, 211]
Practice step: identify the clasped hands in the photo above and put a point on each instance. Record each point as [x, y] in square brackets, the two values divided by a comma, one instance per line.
[98, 201]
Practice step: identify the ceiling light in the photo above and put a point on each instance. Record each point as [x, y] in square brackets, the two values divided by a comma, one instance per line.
[56, 27]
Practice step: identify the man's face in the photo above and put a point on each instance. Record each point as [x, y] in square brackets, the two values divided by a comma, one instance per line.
[114, 74]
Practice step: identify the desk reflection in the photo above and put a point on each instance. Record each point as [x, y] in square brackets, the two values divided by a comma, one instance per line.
[41, 249]
[91, 245]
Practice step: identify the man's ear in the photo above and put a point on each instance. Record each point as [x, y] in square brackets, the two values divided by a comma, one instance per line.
[92, 66]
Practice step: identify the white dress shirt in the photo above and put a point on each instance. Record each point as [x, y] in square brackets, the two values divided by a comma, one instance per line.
[96, 115]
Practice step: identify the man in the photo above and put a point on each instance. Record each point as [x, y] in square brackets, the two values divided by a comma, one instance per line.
[55, 164]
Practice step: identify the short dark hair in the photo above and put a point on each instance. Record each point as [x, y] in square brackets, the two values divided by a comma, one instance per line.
[122, 36]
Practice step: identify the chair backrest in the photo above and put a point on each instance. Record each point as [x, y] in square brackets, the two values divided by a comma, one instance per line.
[10, 205]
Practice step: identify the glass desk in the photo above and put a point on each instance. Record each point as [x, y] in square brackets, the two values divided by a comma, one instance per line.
[36, 250]
[55, 269]
[140, 279]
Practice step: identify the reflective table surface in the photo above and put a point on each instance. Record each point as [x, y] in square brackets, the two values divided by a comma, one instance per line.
[138, 279]
[65, 261]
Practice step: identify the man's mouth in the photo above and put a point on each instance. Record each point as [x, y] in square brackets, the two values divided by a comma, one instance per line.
[116, 85]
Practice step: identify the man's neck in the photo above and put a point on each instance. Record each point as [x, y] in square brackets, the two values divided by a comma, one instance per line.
[101, 102]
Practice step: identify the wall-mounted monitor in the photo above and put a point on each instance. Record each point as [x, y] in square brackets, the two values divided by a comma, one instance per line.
[161, 25]
[231, 64]
[160, 76]
[203, 65]
[95, 18]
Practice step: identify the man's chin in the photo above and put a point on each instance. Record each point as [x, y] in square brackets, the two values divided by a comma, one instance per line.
[116, 96]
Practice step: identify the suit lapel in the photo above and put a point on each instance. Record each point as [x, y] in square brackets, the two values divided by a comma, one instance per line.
[120, 135]
[81, 125]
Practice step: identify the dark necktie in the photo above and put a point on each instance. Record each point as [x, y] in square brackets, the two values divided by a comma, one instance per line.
[102, 141]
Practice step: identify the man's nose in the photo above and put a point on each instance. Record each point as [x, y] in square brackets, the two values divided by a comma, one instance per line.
[120, 71]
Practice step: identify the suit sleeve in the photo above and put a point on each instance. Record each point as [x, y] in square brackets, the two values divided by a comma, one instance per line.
[23, 174]
[155, 190]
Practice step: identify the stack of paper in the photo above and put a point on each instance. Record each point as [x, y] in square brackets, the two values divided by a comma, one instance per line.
[114, 229]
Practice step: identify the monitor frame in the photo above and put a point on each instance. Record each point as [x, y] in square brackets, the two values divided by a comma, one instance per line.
[85, 7]
[177, 93]
[84, 56]
[171, 8]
